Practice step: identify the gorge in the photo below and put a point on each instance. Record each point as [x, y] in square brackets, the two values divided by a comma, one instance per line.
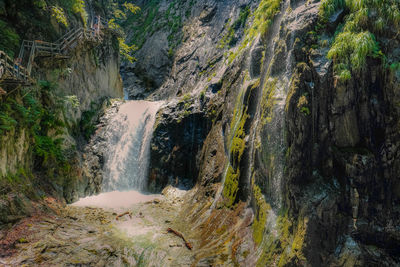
[264, 132]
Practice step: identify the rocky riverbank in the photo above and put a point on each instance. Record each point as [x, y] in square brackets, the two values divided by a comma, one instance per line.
[91, 236]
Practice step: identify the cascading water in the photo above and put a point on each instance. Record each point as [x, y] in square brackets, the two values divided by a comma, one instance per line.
[128, 138]
[124, 146]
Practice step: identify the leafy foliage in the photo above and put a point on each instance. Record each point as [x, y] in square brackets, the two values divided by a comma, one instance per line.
[120, 13]
[356, 40]
[350, 50]
[59, 15]
[126, 50]
[9, 41]
[78, 7]
[131, 7]
[41, 122]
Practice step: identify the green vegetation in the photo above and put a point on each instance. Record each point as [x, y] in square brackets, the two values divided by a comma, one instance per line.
[9, 41]
[263, 17]
[126, 50]
[86, 124]
[305, 110]
[350, 50]
[262, 20]
[286, 247]
[150, 20]
[395, 66]
[228, 40]
[59, 15]
[268, 100]
[78, 7]
[41, 121]
[20, 181]
[231, 186]
[260, 218]
[120, 14]
[185, 104]
[355, 40]
[303, 105]
[202, 95]
[237, 145]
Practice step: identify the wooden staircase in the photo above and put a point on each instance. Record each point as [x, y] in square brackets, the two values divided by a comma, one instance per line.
[12, 72]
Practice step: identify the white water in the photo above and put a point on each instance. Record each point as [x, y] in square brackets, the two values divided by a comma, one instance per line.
[128, 136]
[126, 159]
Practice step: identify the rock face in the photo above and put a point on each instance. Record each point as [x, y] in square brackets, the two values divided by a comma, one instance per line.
[177, 140]
[71, 89]
[170, 60]
[314, 160]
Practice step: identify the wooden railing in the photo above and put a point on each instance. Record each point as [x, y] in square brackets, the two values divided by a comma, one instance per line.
[11, 72]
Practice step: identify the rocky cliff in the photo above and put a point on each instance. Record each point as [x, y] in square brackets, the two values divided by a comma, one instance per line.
[293, 161]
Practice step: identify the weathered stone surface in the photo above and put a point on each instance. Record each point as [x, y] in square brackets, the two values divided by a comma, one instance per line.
[178, 136]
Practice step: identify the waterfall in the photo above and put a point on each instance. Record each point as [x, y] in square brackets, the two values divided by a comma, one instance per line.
[128, 137]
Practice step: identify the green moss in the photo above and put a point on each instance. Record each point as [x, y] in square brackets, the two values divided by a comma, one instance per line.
[303, 105]
[268, 100]
[298, 240]
[305, 110]
[260, 219]
[262, 19]
[232, 56]
[238, 144]
[149, 20]
[228, 40]
[231, 186]
[22, 240]
[270, 252]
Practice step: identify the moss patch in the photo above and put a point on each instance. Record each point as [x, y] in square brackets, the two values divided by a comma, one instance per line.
[231, 186]
[260, 219]
[268, 101]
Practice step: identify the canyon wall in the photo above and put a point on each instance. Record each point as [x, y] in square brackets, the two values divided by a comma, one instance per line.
[290, 164]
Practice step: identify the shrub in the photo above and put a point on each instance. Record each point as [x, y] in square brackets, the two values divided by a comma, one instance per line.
[356, 40]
